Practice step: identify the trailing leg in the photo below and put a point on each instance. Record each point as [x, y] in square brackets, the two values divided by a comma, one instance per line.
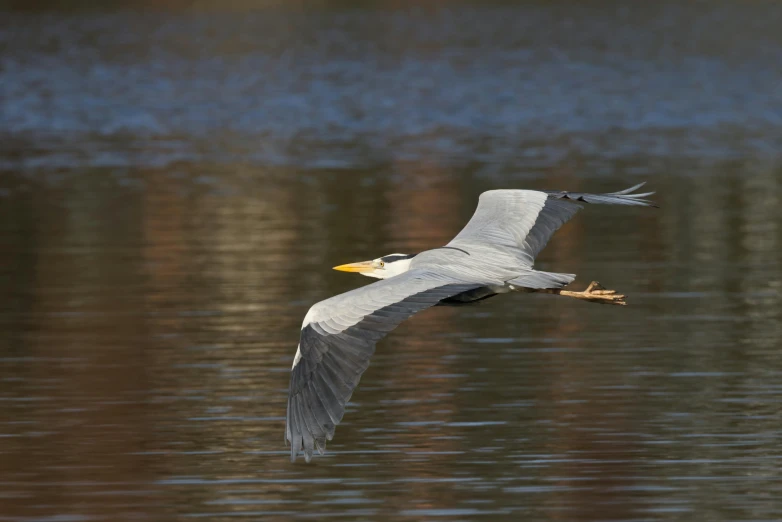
[594, 293]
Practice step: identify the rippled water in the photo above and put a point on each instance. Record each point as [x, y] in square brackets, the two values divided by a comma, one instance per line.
[175, 187]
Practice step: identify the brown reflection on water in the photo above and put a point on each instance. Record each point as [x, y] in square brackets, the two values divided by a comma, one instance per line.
[222, 316]
[599, 455]
[148, 370]
[75, 413]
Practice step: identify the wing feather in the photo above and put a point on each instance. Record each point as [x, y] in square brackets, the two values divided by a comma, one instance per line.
[338, 338]
[523, 221]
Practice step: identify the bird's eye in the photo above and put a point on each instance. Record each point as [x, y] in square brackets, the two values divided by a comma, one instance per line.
[382, 264]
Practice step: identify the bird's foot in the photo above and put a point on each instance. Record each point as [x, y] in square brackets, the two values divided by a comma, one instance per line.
[597, 293]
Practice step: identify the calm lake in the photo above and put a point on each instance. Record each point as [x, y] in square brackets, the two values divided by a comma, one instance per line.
[176, 186]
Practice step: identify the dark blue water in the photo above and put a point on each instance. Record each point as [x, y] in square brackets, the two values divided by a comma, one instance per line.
[175, 186]
[337, 88]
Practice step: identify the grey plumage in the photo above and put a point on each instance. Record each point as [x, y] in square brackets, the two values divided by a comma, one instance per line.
[493, 253]
[338, 338]
[523, 221]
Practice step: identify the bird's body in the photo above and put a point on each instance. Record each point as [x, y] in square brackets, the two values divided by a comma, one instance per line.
[493, 254]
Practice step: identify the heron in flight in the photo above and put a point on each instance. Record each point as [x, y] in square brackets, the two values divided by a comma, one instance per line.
[493, 254]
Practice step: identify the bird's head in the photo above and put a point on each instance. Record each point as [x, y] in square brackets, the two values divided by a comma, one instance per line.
[380, 268]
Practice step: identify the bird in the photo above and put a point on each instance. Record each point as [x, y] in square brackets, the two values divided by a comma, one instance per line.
[493, 254]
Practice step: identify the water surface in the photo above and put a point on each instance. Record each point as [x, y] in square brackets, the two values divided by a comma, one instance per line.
[175, 187]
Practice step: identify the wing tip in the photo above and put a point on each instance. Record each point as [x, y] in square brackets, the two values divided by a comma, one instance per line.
[630, 195]
[628, 190]
[295, 447]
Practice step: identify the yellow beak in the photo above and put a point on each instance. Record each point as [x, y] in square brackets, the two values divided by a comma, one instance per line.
[363, 266]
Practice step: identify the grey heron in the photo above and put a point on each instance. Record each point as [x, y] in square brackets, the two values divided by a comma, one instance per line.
[493, 254]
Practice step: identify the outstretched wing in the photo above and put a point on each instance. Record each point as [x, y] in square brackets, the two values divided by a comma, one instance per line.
[338, 338]
[525, 220]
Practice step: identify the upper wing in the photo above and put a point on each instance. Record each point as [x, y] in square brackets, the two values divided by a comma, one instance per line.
[525, 220]
[338, 337]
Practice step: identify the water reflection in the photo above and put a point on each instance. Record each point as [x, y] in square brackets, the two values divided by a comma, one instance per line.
[159, 254]
[148, 369]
